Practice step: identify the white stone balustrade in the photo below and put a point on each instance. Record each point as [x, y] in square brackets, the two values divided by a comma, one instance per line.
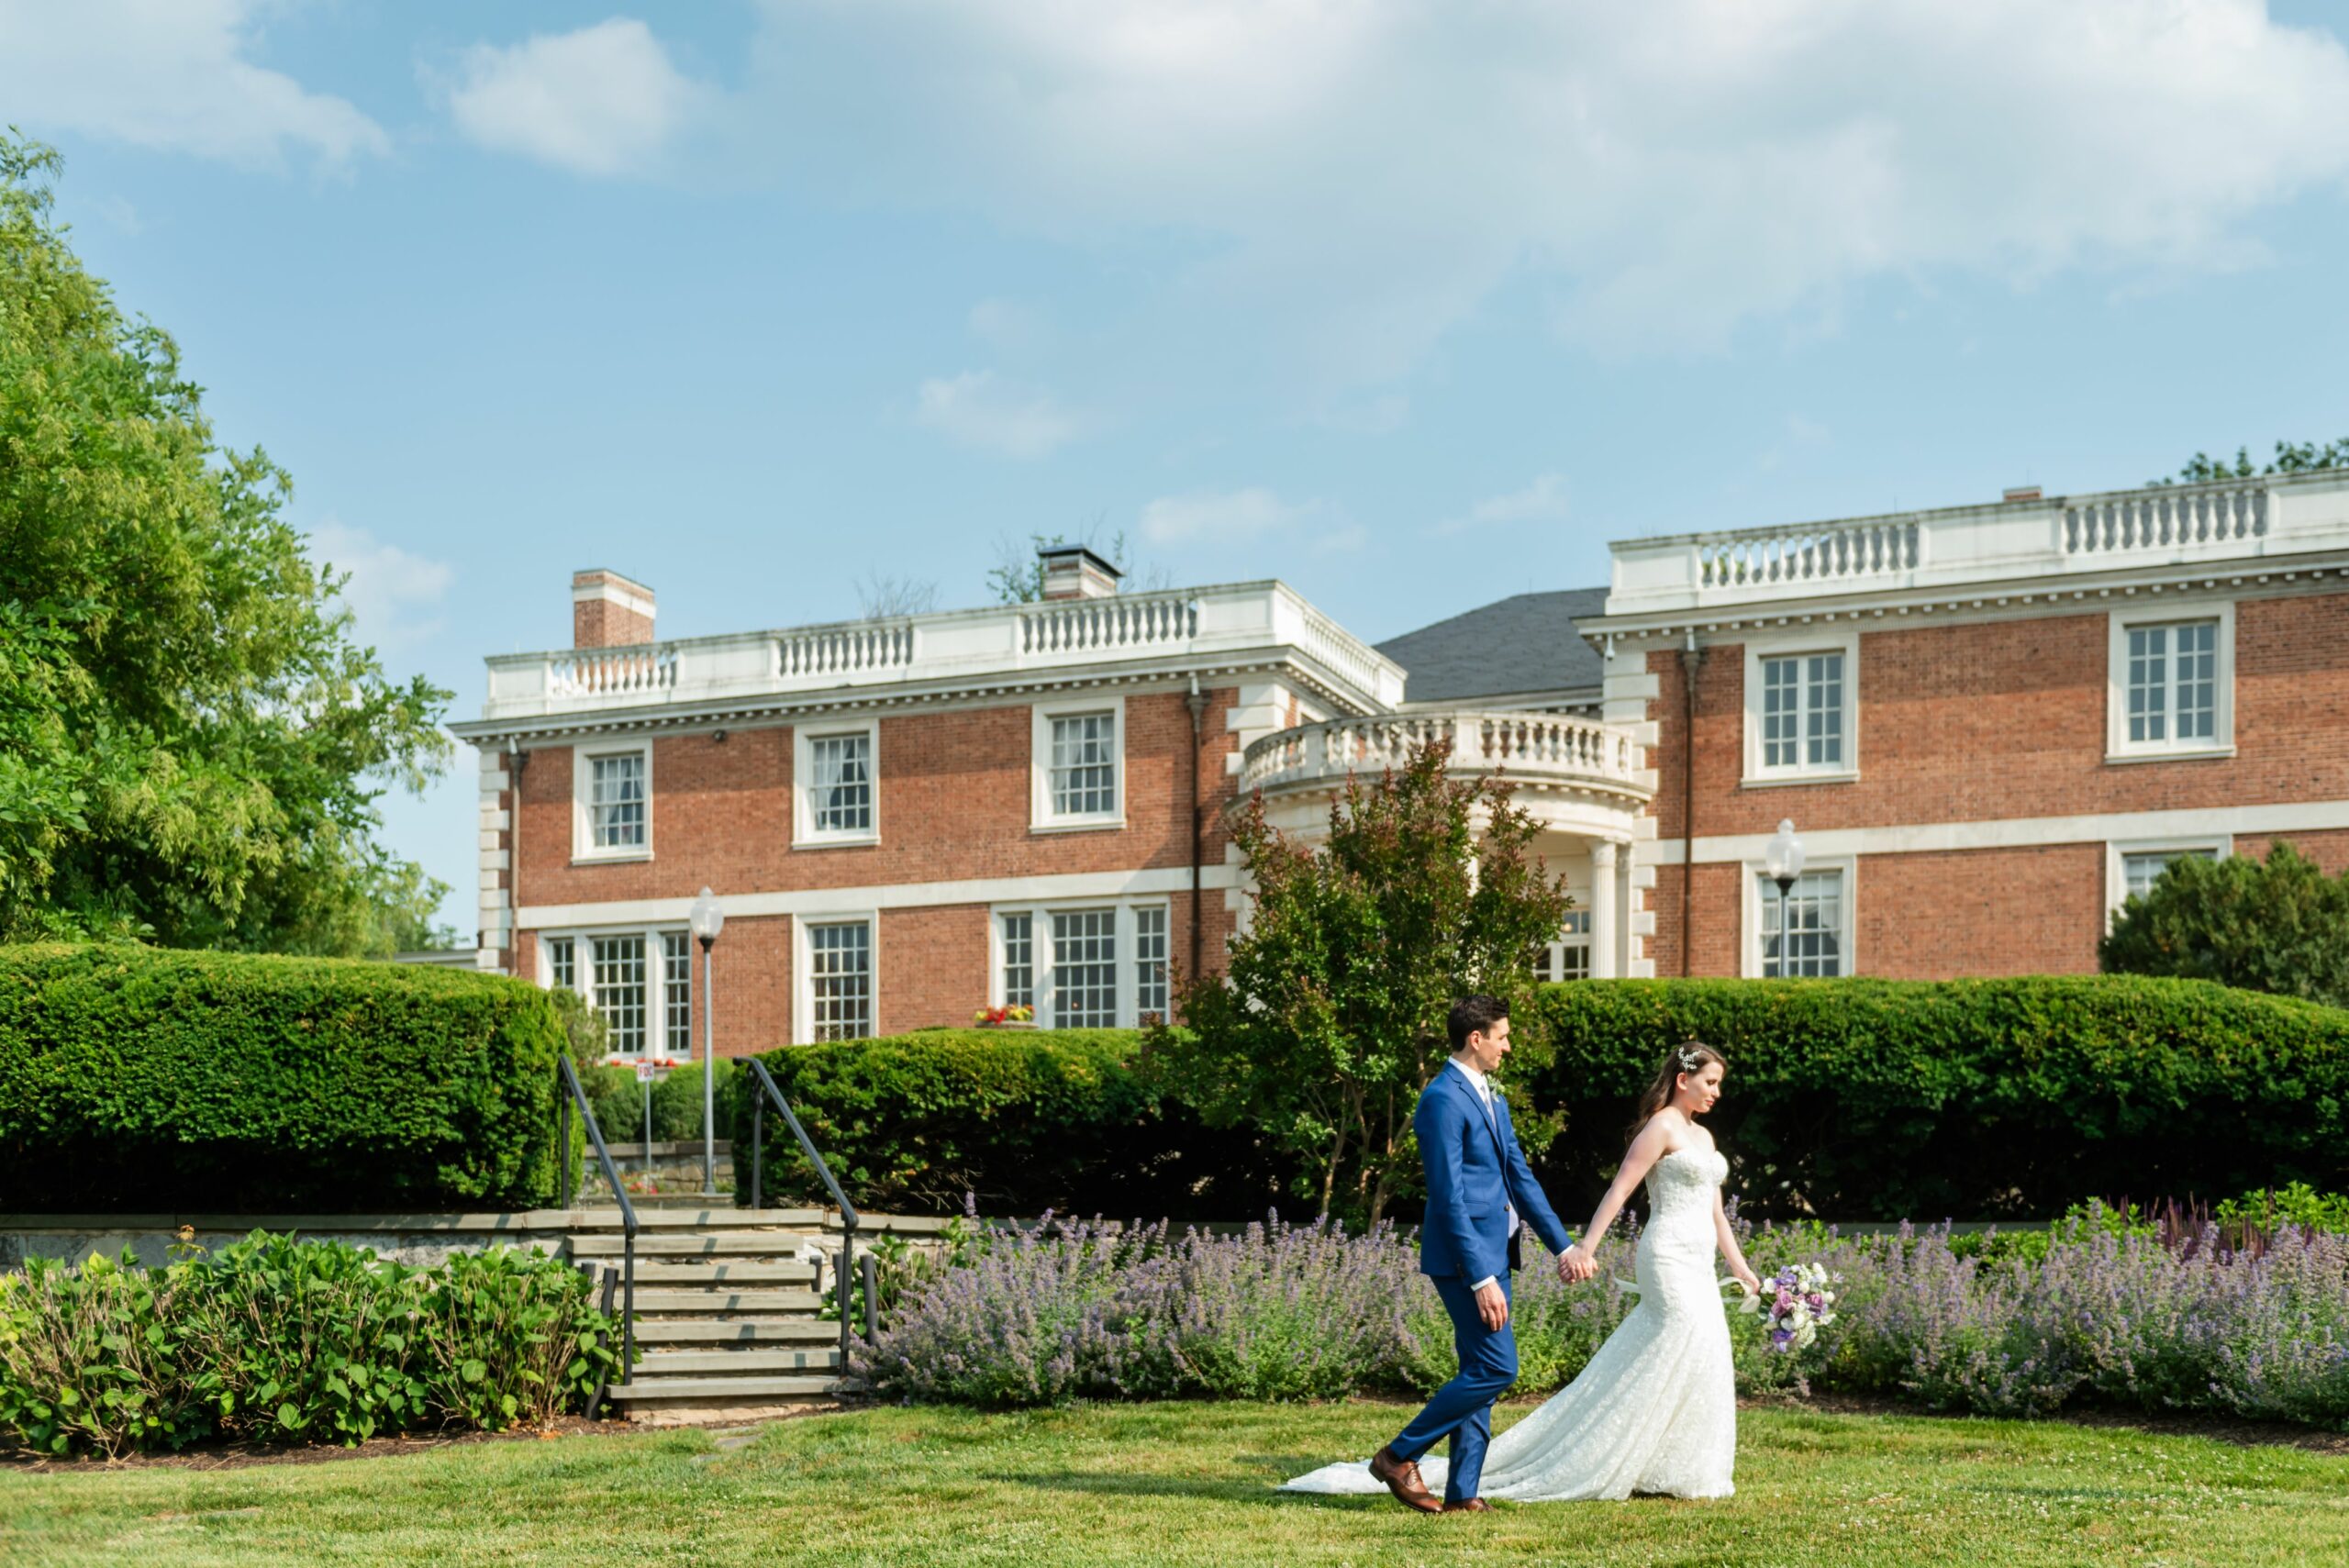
[1531, 749]
[1143, 633]
[2049, 539]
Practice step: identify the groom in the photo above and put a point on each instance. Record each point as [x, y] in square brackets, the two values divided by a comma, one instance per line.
[1480, 1192]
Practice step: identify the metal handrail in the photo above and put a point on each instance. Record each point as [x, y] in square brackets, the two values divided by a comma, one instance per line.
[824, 1173]
[578, 1096]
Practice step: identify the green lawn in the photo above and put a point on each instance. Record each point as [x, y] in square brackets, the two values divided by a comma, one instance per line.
[1191, 1483]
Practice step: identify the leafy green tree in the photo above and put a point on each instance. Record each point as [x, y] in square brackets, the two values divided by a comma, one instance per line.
[191, 741]
[1329, 1017]
[2291, 457]
[2280, 926]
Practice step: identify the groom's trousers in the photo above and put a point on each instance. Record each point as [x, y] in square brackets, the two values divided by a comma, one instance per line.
[1462, 1408]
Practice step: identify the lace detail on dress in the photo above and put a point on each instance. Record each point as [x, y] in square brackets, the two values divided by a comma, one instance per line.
[1656, 1408]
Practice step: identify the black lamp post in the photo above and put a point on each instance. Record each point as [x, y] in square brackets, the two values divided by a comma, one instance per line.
[706, 920]
[1783, 861]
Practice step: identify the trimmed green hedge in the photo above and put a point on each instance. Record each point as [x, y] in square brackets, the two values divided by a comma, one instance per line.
[1970, 1098]
[1024, 1121]
[138, 1079]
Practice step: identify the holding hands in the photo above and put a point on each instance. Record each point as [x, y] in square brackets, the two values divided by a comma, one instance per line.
[1576, 1265]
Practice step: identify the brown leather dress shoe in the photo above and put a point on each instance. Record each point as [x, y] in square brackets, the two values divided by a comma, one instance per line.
[1401, 1476]
[1468, 1506]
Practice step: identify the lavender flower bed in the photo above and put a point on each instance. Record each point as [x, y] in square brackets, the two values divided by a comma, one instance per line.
[1308, 1312]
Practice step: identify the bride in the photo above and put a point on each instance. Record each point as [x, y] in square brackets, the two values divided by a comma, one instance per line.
[1655, 1410]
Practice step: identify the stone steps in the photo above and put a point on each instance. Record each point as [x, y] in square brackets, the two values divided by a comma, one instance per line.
[726, 1320]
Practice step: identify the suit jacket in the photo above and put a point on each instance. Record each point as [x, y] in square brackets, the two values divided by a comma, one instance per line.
[1474, 1171]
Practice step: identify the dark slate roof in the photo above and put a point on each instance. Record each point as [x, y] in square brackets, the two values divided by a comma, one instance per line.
[1522, 644]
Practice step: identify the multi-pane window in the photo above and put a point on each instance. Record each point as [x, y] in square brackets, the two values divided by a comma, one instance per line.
[1802, 931]
[562, 963]
[1568, 958]
[840, 974]
[678, 998]
[1019, 961]
[1150, 961]
[2173, 683]
[1084, 969]
[616, 800]
[839, 785]
[619, 981]
[1802, 710]
[1083, 764]
[2140, 869]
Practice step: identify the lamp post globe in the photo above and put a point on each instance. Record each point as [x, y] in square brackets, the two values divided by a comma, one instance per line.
[706, 920]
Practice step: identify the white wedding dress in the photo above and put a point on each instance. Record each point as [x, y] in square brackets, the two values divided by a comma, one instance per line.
[1655, 1410]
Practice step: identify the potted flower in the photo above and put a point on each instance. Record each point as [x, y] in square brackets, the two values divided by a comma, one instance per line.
[1016, 1015]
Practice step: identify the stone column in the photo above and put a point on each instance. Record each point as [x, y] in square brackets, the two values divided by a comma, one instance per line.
[1603, 939]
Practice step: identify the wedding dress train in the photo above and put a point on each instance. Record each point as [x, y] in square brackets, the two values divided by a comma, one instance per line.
[1655, 1410]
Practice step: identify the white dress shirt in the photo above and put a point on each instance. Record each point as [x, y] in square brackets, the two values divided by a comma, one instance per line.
[1485, 1095]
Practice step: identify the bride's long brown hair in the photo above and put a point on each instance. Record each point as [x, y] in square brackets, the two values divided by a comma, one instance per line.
[1690, 1056]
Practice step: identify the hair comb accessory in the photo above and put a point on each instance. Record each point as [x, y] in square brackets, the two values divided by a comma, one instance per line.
[1689, 1061]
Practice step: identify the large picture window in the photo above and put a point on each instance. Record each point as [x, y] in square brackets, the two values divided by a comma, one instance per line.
[1089, 966]
[641, 981]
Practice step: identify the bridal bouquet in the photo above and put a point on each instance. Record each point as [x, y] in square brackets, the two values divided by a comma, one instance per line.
[1795, 1304]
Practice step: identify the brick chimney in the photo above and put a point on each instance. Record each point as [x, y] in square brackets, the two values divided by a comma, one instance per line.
[609, 610]
[1072, 572]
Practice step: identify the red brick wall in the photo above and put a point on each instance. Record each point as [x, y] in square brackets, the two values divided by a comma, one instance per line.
[599, 623]
[1981, 912]
[2330, 850]
[1713, 922]
[2007, 719]
[953, 802]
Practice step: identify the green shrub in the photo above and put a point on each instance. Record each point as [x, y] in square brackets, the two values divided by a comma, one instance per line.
[2297, 1204]
[139, 1079]
[1068, 1120]
[277, 1340]
[619, 1102]
[1871, 1100]
[2278, 925]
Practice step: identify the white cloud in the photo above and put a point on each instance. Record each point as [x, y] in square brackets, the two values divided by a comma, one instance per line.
[1544, 501]
[979, 409]
[173, 75]
[1355, 180]
[393, 596]
[1210, 519]
[1009, 326]
[602, 100]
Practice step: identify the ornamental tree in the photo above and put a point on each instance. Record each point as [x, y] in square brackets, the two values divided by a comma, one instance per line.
[1328, 1018]
[191, 740]
[2280, 926]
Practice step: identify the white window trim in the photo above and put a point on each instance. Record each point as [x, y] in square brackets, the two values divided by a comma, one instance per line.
[803, 983]
[1757, 880]
[2117, 747]
[2116, 853]
[1758, 649]
[1041, 911]
[803, 815]
[656, 975]
[583, 839]
[1041, 818]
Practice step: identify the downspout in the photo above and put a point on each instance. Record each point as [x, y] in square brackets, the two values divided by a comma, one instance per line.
[516, 759]
[1692, 658]
[1197, 703]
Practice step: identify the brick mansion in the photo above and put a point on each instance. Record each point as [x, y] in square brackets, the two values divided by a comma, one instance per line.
[1988, 723]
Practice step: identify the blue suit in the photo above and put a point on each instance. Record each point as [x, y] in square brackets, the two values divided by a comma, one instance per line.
[1474, 1172]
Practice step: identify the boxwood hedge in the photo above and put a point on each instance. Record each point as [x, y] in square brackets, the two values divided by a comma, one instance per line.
[1023, 1120]
[144, 1080]
[1972, 1098]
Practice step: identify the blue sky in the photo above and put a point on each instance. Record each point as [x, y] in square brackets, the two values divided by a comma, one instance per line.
[1413, 303]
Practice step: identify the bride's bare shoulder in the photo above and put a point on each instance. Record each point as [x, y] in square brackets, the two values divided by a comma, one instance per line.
[1666, 1131]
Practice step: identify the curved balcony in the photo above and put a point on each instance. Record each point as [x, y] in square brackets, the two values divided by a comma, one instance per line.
[1542, 754]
